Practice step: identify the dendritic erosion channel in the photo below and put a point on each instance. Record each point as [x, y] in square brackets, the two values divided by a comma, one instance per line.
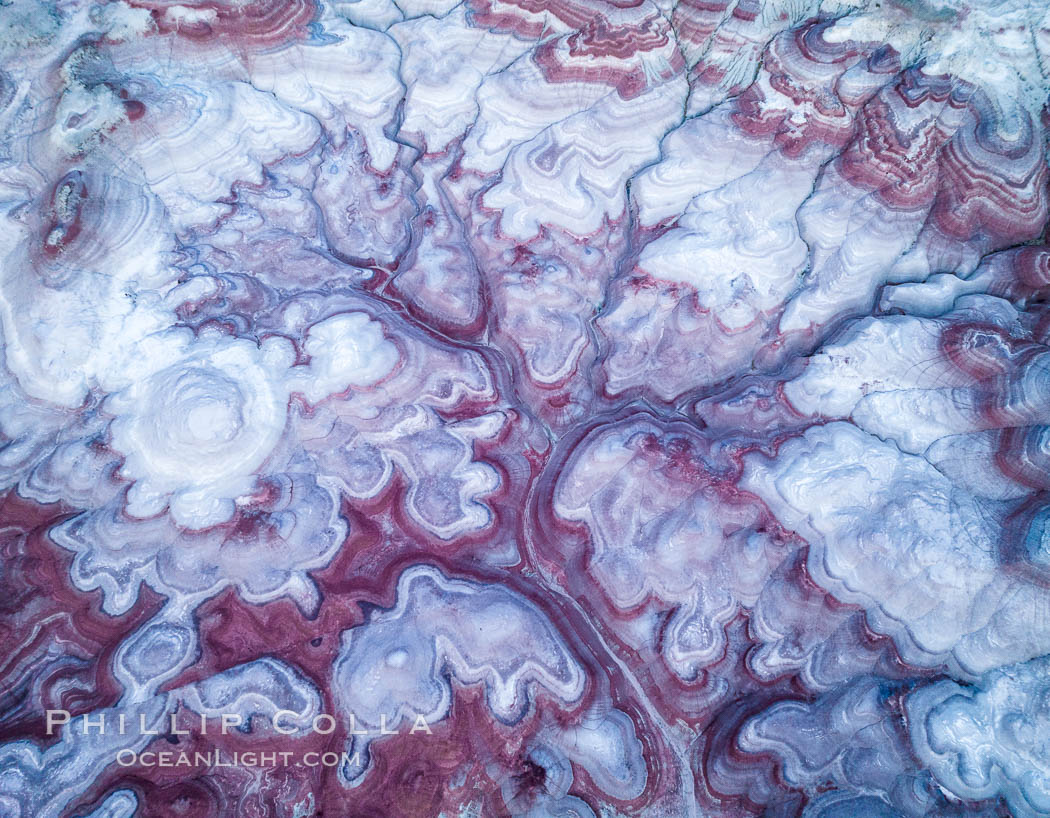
[547, 408]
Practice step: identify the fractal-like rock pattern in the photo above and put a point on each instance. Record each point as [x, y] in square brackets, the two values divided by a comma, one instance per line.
[584, 408]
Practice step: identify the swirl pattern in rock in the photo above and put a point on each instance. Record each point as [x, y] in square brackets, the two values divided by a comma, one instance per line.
[524, 408]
